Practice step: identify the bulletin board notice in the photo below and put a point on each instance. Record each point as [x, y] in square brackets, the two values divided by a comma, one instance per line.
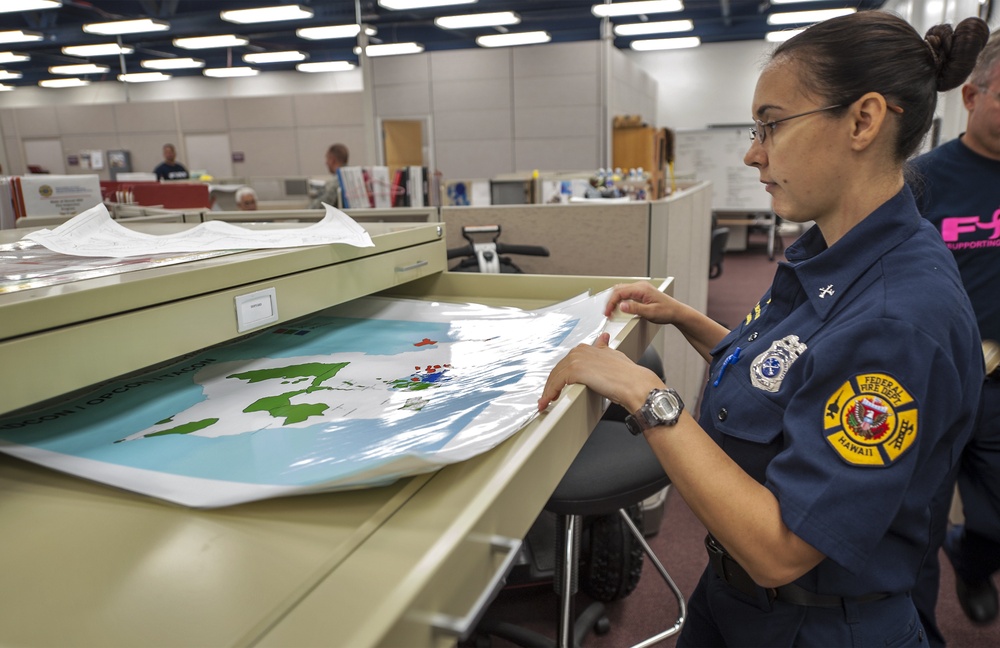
[58, 195]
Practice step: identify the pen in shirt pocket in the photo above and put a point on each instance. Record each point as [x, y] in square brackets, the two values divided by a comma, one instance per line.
[732, 358]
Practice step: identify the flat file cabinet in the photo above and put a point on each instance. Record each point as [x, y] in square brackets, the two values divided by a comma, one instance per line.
[406, 564]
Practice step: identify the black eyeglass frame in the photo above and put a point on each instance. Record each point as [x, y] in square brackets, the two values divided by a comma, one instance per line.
[757, 131]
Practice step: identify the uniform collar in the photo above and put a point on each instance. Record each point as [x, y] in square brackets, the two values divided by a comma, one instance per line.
[827, 273]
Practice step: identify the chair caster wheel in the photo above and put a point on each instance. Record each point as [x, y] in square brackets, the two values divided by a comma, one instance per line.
[602, 626]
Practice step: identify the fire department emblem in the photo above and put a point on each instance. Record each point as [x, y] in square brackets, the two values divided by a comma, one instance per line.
[871, 420]
[769, 368]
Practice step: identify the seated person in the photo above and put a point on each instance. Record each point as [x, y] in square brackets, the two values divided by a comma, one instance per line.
[246, 199]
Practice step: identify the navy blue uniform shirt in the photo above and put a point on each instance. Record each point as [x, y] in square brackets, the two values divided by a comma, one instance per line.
[854, 392]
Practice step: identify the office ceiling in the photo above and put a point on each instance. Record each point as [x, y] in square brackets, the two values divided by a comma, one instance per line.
[565, 20]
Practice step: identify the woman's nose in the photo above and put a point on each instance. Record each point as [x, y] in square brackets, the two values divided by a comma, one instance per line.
[755, 155]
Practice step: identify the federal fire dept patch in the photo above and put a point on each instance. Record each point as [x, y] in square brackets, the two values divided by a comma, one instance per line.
[871, 420]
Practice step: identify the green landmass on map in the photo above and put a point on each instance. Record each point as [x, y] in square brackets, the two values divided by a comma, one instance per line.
[280, 405]
[185, 428]
[318, 371]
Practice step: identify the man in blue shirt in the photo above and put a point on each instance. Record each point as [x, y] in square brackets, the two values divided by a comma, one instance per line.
[958, 187]
[170, 168]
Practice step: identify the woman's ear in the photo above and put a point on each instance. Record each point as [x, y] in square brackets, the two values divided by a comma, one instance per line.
[867, 120]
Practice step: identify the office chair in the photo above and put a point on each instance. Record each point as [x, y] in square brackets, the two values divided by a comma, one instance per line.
[613, 472]
[720, 236]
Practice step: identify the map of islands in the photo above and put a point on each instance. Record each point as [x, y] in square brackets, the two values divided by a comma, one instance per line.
[354, 396]
[286, 395]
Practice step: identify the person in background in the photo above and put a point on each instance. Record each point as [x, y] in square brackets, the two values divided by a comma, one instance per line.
[336, 157]
[836, 410]
[170, 168]
[958, 190]
[246, 199]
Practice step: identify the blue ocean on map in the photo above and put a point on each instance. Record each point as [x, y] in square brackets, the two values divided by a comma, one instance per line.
[311, 383]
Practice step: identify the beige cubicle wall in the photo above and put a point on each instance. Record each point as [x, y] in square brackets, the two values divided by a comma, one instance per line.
[680, 239]
[582, 239]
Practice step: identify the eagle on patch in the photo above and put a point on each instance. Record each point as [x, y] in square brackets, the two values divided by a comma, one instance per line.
[868, 418]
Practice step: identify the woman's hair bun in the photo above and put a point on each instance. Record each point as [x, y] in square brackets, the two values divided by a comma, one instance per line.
[954, 51]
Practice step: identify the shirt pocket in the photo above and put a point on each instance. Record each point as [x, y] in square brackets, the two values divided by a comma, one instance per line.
[750, 426]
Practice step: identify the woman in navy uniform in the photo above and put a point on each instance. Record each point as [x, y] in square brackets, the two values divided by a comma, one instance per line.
[838, 408]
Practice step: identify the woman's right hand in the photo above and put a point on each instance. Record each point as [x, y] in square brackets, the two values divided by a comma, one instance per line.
[643, 300]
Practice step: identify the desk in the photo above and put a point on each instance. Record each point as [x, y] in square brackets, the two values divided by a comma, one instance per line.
[89, 565]
[757, 219]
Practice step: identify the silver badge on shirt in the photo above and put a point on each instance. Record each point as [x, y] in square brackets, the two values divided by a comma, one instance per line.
[769, 368]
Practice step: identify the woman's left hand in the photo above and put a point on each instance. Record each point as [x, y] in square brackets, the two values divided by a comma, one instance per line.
[608, 372]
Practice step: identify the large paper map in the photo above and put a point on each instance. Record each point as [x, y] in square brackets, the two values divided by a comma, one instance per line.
[354, 396]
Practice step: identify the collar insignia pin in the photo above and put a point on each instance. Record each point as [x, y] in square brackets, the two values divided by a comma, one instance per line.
[826, 292]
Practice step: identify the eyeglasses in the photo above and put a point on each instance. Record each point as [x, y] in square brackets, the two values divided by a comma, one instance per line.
[757, 131]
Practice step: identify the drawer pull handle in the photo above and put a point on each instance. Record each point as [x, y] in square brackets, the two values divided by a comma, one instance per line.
[461, 627]
[412, 266]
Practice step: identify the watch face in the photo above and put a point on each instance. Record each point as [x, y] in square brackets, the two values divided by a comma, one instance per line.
[664, 407]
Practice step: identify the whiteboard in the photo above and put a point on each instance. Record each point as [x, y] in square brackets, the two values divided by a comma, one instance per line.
[716, 154]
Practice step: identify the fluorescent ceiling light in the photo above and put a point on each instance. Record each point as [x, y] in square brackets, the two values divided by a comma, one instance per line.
[206, 42]
[783, 35]
[63, 83]
[172, 64]
[818, 15]
[82, 68]
[665, 43]
[420, 4]
[139, 26]
[5, 88]
[333, 31]
[637, 8]
[393, 49]
[6, 75]
[468, 21]
[19, 36]
[275, 57]
[662, 27]
[266, 14]
[102, 49]
[13, 57]
[511, 40]
[230, 72]
[11, 6]
[143, 77]
[325, 66]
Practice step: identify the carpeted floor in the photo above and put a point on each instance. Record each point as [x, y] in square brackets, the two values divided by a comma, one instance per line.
[679, 542]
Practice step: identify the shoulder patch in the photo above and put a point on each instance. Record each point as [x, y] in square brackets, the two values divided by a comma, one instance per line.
[871, 420]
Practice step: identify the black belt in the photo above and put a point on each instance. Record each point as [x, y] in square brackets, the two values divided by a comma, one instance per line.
[726, 567]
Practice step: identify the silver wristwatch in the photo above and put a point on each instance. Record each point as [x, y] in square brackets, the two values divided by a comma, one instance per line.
[662, 407]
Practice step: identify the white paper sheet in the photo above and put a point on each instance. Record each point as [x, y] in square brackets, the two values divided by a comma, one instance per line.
[94, 233]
